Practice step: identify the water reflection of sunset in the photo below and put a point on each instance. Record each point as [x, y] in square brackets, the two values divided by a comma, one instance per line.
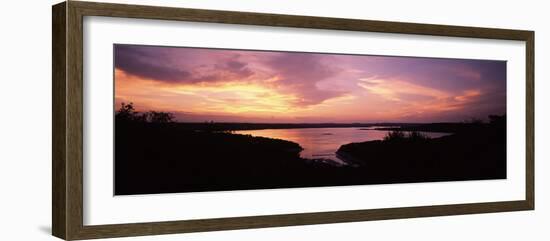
[262, 86]
[322, 143]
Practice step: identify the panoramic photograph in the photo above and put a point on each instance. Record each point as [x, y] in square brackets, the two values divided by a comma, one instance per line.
[192, 119]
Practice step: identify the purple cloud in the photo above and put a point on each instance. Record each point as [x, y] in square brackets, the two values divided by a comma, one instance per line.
[453, 75]
[178, 65]
[300, 73]
[309, 79]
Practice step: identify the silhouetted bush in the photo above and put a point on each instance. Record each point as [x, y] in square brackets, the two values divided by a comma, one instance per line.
[497, 120]
[127, 113]
[159, 117]
[401, 136]
[416, 136]
[395, 136]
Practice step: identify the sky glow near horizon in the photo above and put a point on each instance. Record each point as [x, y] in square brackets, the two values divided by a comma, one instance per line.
[220, 85]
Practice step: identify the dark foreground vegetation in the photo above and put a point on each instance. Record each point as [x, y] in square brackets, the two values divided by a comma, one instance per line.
[163, 157]
[153, 154]
[475, 151]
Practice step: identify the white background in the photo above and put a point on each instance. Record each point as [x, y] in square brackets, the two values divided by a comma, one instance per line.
[25, 121]
[100, 207]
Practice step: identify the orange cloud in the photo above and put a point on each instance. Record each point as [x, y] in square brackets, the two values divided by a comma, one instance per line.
[230, 97]
[408, 99]
[395, 89]
[239, 85]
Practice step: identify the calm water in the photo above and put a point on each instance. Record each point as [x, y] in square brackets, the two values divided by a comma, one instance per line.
[322, 143]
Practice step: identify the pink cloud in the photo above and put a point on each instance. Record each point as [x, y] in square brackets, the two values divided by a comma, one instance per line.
[283, 86]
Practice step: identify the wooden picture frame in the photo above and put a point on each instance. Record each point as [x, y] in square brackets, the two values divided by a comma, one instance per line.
[67, 150]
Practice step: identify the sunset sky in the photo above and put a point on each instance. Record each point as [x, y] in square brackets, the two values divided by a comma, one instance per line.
[220, 85]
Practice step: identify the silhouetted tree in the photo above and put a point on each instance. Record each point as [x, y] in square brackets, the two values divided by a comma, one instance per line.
[395, 136]
[497, 120]
[127, 113]
[473, 120]
[400, 136]
[160, 117]
[416, 136]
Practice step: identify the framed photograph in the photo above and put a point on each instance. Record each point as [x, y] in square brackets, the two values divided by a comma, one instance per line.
[171, 120]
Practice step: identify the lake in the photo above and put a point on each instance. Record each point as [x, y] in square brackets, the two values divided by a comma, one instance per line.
[322, 143]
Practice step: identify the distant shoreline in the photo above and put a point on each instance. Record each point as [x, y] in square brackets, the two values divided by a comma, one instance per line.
[228, 126]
